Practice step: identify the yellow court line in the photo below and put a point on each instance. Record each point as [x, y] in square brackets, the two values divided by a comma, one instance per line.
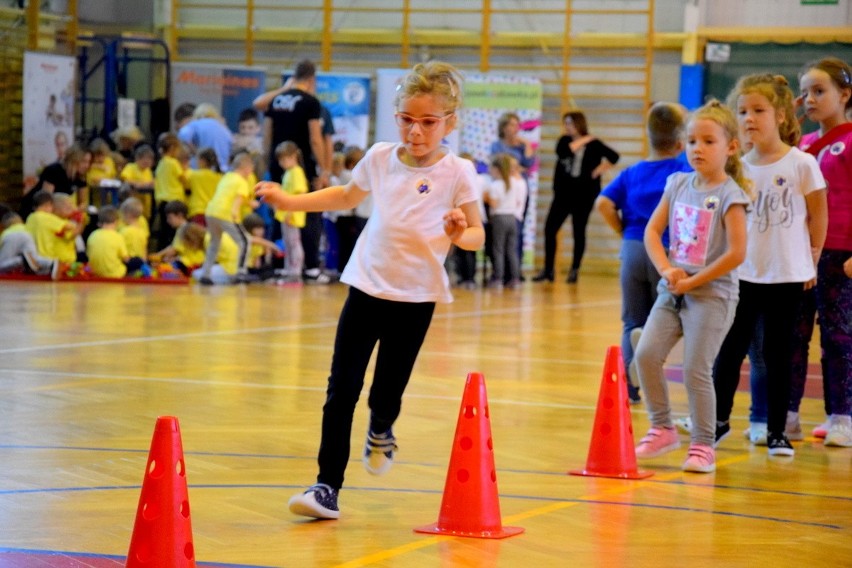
[550, 508]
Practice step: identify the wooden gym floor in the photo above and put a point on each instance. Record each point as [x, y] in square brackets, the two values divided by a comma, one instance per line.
[86, 369]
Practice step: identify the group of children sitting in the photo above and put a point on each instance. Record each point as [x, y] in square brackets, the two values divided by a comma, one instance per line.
[207, 225]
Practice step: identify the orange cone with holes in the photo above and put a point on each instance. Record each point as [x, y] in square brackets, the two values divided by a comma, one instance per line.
[162, 534]
[612, 452]
[470, 506]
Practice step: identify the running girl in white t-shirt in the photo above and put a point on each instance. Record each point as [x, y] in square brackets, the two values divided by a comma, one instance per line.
[425, 199]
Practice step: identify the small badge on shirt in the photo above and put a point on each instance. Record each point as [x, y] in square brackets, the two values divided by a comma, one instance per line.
[711, 203]
[837, 148]
[423, 186]
[780, 181]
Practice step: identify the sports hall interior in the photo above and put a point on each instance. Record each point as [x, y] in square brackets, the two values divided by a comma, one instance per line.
[86, 369]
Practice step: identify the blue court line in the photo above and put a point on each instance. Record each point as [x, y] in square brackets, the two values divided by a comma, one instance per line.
[116, 557]
[437, 492]
[421, 464]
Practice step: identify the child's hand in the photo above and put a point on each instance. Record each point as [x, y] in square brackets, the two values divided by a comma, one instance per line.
[681, 287]
[847, 267]
[673, 275]
[271, 193]
[455, 223]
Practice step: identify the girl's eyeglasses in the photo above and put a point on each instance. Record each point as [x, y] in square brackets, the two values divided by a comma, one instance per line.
[427, 123]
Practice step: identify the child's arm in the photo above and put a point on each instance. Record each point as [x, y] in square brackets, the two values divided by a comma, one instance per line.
[817, 206]
[654, 244]
[326, 199]
[464, 227]
[266, 244]
[847, 267]
[236, 208]
[606, 207]
[734, 255]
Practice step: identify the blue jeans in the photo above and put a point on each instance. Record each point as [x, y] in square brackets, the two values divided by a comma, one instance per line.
[759, 409]
[639, 281]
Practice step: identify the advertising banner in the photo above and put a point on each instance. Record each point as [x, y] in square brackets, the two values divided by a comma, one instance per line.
[230, 89]
[48, 111]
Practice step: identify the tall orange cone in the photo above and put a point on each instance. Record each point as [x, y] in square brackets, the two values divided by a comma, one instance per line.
[162, 534]
[612, 452]
[470, 506]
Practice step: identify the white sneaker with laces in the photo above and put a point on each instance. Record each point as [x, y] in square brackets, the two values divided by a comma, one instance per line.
[839, 432]
[378, 452]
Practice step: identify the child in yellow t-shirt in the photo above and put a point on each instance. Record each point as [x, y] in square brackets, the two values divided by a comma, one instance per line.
[133, 228]
[223, 216]
[102, 167]
[202, 184]
[52, 230]
[260, 249]
[18, 250]
[294, 182]
[106, 249]
[139, 175]
[169, 182]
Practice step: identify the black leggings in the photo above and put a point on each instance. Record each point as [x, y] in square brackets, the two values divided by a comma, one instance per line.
[579, 206]
[778, 304]
[399, 328]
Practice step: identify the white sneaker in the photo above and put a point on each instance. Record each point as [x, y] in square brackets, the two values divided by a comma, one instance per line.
[318, 501]
[756, 433]
[684, 425]
[839, 432]
[378, 452]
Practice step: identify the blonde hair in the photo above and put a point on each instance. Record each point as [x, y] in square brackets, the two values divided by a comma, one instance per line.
[131, 208]
[716, 112]
[205, 110]
[777, 91]
[503, 164]
[433, 78]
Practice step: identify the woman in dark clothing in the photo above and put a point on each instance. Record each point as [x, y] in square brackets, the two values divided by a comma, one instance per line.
[581, 160]
[65, 176]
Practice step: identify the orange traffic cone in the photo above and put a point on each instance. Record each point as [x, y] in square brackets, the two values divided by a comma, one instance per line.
[612, 452]
[470, 506]
[162, 534]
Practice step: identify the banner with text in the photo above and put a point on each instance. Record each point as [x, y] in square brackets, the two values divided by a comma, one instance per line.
[230, 89]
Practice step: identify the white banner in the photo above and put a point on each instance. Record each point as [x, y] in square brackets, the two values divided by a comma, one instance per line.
[48, 111]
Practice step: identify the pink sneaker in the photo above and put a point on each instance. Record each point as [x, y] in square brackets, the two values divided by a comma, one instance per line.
[821, 431]
[700, 459]
[657, 441]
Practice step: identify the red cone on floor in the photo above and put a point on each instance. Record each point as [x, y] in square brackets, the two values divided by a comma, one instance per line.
[612, 452]
[162, 534]
[470, 506]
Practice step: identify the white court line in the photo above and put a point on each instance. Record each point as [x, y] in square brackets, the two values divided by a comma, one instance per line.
[237, 384]
[298, 327]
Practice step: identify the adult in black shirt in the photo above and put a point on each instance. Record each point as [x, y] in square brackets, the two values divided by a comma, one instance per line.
[294, 113]
[581, 160]
[65, 176]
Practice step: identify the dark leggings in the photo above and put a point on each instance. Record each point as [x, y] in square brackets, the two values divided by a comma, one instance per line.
[778, 304]
[579, 207]
[399, 328]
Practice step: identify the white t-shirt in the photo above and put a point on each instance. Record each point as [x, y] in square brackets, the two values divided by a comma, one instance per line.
[509, 202]
[400, 253]
[779, 246]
